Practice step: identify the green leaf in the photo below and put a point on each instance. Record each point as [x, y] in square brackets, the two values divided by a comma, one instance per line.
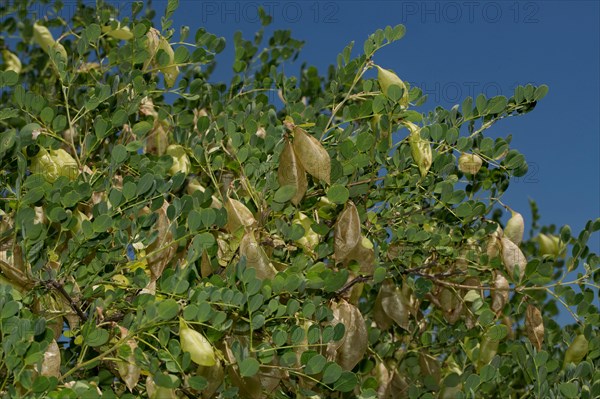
[249, 367]
[346, 383]
[96, 337]
[338, 194]
[167, 309]
[331, 373]
[119, 154]
[315, 365]
[285, 193]
[569, 389]
[141, 128]
[540, 92]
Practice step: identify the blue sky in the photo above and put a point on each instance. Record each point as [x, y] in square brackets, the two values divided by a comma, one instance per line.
[455, 49]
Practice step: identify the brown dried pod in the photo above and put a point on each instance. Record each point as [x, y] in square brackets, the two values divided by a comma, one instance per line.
[534, 326]
[393, 304]
[214, 375]
[128, 369]
[451, 305]
[514, 260]
[51, 362]
[250, 387]
[238, 215]
[312, 155]
[256, 258]
[162, 250]
[157, 139]
[347, 232]
[352, 347]
[291, 172]
[391, 385]
[514, 228]
[487, 350]
[500, 293]
[430, 366]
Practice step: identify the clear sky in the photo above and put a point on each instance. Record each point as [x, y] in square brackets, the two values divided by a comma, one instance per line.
[455, 49]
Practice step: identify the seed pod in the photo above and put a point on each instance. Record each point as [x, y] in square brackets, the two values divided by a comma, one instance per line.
[170, 71]
[238, 215]
[352, 347]
[508, 322]
[152, 44]
[157, 139]
[162, 250]
[256, 258]
[551, 245]
[419, 148]
[194, 185]
[576, 351]
[158, 392]
[121, 32]
[346, 233]
[451, 304]
[291, 172]
[43, 37]
[364, 254]
[128, 369]
[514, 228]
[201, 351]
[500, 294]
[534, 326]
[392, 304]
[430, 366]
[487, 350]
[513, 259]
[494, 245]
[310, 239]
[181, 161]
[387, 78]
[312, 155]
[51, 362]
[250, 387]
[469, 163]
[214, 375]
[13, 63]
[53, 164]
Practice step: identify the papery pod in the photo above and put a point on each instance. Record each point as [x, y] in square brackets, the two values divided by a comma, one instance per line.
[79, 218]
[152, 45]
[205, 265]
[51, 309]
[51, 362]
[43, 37]
[514, 228]
[470, 317]
[512, 257]
[451, 304]
[12, 62]
[347, 233]
[53, 164]
[508, 322]
[493, 245]
[364, 254]
[157, 392]
[162, 250]
[395, 304]
[500, 293]
[577, 351]
[250, 387]
[310, 239]
[181, 161]
[256, 258]
[469, 163]
[391, 385]
[238, 215]
[170, 71]
[534, 326]
[261, 133]
[214, 375]
[121, 32]
[227, 248]
[157, 139]
[352, 347]
[13, 274]
[550, 245]
[488, 348]
[450, 392]
[430, 366]
[128, 369]
[194, 185]
[200, 349]
[419, 148]
[291, 172]
[312, 155]
[387, 78]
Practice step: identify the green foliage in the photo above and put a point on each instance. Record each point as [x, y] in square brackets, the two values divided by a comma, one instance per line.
[155, 242]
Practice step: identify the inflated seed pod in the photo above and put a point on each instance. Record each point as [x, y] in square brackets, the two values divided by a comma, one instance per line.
[534, 326]
[500, 293]
[392, 304]
[469, 163]
[152, 44]
[51, 362]
[12, 62]
[181, 161]
[214, 375]
[157, 392]
[128, 369]
[200, 349]
[419, 148]
[238, 215]
[291, 172]
[514, 228]
[487, 350]
[310, 239]
[249, 387]
[43, 37]
[194, 185]
[430, 366]
[157, 140]
[513, 259]
[451, 305]
[577, 351]
[551, 245]
[163, 249]
[312, 155]
[387, 78]
[170, 71]
[352, 347]
[347, 233]
[121, 32]
[54, 164]
[256, 258]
